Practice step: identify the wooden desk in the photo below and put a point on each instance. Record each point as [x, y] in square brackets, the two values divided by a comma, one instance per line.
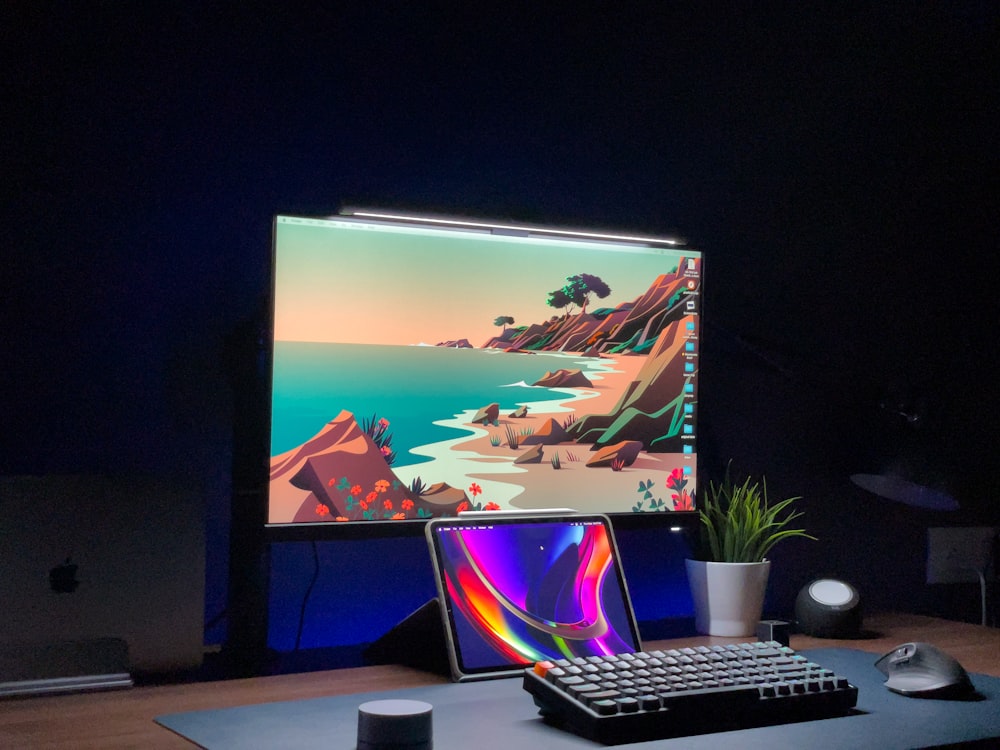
[124, 719]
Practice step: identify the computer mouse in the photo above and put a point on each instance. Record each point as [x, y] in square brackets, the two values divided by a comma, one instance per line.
[922, 670]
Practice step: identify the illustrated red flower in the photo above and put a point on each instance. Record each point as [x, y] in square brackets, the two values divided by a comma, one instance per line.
[683, 502]
[331, 482]
[387, 504]
[462, 506]
[475, 489]
[491, 506]
[356, 490]
[364, 504]
[322, 510]
[372, 496]
[407, 504]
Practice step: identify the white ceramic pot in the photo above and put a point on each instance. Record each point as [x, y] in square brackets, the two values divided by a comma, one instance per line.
[728, 597]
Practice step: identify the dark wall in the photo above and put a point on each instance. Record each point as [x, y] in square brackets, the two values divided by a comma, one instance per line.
[836, 166]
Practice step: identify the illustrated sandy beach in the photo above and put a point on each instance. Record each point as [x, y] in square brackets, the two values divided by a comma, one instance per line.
[538, 485]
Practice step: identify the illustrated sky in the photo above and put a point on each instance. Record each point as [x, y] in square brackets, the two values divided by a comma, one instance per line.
[355, 286]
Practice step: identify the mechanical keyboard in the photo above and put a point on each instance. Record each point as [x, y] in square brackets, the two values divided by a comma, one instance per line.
[658, 694]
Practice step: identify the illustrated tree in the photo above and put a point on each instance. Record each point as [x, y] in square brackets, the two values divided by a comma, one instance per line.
[503, 320]
[577, 291]
[559, 299]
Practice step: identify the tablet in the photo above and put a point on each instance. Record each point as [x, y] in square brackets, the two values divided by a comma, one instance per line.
[516, 589]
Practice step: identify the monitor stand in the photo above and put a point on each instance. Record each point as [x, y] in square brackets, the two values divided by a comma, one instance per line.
[64, 667]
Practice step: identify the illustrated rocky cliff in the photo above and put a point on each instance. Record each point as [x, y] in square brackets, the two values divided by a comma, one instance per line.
[342, 470]
[630, 327]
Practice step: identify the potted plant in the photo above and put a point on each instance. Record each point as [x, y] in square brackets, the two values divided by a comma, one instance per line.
[728, 578]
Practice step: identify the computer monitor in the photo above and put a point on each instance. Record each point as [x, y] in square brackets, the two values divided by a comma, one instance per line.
[422, 366]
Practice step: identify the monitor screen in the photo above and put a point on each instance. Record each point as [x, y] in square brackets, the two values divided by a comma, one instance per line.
[422, 367]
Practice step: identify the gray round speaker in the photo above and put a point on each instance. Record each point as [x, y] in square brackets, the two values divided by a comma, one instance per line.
[829, 608]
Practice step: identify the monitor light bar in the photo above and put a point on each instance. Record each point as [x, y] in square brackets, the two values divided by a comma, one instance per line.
[513, 228]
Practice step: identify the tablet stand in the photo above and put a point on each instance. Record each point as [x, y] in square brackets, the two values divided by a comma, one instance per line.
[417, 641]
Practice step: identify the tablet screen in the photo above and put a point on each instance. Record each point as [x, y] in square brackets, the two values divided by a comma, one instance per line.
[516, 590]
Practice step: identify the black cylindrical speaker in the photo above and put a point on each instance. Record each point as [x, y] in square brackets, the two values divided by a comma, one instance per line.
[828, 608]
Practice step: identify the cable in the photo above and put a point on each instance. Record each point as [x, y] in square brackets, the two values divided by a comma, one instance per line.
[305, 598]
[982, 595]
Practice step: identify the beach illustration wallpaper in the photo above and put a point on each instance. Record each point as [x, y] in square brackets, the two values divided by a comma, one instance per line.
[419, 373]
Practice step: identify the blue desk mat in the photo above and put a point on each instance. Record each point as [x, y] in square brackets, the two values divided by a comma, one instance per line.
[499, 715]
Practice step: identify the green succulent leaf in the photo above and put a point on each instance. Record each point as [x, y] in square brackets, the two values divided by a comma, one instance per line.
[740, 524]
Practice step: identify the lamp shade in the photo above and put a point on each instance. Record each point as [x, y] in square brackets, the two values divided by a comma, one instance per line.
[892, 487]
